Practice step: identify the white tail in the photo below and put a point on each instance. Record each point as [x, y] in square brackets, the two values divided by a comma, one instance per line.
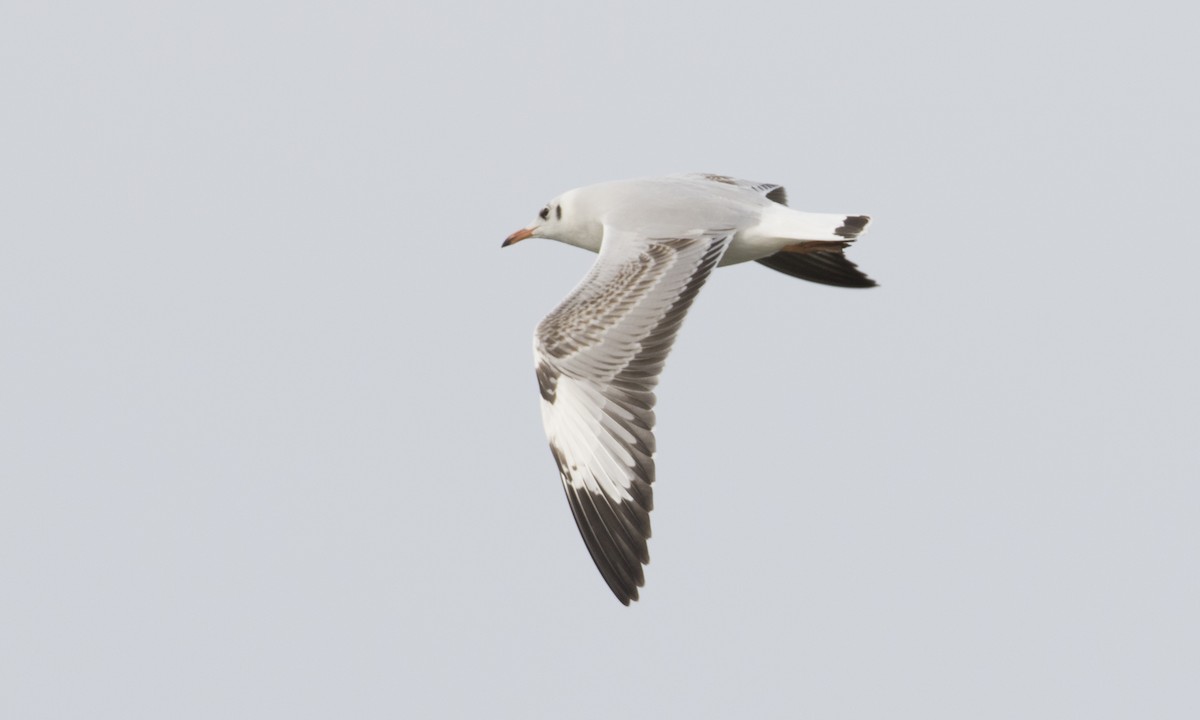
[787, 223]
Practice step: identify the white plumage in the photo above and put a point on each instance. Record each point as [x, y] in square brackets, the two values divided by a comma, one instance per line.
[598, 355]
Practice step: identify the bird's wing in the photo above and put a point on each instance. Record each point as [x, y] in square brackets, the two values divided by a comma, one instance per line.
[598, 356]
[828, 267]
[773, 192]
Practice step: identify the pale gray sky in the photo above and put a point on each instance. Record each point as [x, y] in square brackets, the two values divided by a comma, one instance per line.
[269, 434]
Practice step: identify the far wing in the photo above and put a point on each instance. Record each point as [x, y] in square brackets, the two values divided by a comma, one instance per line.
[773, 192]
[599, 355]
[828, 267]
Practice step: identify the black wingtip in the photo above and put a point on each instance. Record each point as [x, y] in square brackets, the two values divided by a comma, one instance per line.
[617, 555]
[826, 268]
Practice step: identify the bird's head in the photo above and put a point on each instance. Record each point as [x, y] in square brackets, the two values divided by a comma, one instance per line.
[565, 219]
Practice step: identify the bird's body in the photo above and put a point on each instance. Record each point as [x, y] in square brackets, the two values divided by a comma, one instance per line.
[691, 203]
[598, 355]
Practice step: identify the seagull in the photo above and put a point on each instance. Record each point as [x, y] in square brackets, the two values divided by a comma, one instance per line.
[598, 355]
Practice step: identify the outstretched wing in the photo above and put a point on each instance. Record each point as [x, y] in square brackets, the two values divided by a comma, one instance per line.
[599, 355]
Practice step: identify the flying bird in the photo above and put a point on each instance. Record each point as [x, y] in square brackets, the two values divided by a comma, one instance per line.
[598, 355]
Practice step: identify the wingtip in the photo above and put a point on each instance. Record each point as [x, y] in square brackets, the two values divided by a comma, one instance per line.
[826, 268]
[626, 597]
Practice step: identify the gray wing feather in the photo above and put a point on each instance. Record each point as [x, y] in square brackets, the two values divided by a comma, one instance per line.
[598, 357]
[773, 192]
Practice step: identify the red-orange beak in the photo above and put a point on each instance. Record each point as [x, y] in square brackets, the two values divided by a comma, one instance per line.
[517, 237]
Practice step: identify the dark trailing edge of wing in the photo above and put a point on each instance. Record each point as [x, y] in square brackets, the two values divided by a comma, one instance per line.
[827, 268]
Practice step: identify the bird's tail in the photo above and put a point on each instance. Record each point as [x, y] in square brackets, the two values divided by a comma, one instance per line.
[820, 226]
[817, 255]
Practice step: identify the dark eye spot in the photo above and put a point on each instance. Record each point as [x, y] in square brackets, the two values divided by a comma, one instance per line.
[545, 213]
[558, 211]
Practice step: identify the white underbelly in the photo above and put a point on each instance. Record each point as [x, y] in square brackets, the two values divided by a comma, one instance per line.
[747, 246]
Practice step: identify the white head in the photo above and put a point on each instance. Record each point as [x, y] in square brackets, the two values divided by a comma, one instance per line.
[566, 220]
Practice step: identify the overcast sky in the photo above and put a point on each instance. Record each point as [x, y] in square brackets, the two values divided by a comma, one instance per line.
[270, 444]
